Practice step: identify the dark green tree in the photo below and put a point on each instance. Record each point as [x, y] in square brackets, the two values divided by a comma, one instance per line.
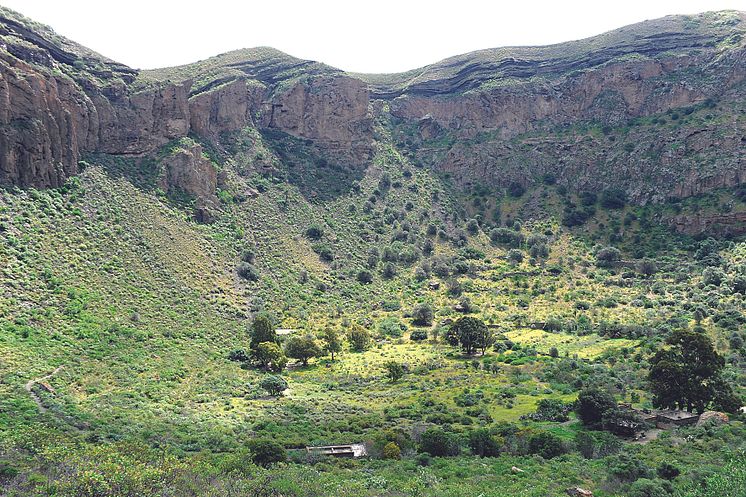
[483, 444]
[471, 334]
[266, 452]
[274, 385]
[593, 404]
[687, 374]
[439, 443]
[302, 348]
[269, 355]
[262, 330]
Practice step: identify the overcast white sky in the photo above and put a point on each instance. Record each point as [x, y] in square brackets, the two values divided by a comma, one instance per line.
[354, 35]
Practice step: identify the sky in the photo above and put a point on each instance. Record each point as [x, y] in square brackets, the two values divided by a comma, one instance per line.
[374, 36]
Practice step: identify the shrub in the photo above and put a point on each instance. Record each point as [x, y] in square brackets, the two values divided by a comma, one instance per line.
[391, 326]
[483, 444]
[418, 335]
[607, 256]
[314, 232]
[394, 370]
[439, 443]
[668, 471]
[238, 355]
[650, 488]
[365, 277]
[613, 199]
[516, 189]
[247, 271]
[422, 315]
[546, 444]
[266, 452]
[269, 355]
[391, 451]
[274, 385]
[359, 338]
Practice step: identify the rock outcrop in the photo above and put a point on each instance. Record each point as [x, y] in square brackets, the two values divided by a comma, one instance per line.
[187, 169]
[653, 109]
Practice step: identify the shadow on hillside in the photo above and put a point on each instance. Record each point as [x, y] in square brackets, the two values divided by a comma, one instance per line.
[306, 167]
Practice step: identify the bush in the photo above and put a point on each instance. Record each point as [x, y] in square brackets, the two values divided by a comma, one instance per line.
[391, 451]
[238, 355]
[365, 277]
[418, 335]
[650, 488]
[439, 443]
[314, 232]
[359, 338]
[422, 315]
[613, 199]
[597, 444]
[394, 370]
[668, 471]
[391, 327]
[546, 444]
[266, 452]
[607, 256]
[247, 272]
[302, 348]
[274, 385]
[516, 189]
[550, 410]
[483, 444]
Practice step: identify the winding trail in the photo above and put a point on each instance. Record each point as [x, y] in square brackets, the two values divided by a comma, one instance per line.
[41, 381]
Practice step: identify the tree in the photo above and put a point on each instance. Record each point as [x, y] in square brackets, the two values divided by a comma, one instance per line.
[302, 348]
[269, 355]
[365, 277]
[471, 334]
[262, 330]
[332, 341]
[483, 444]
[274, 385]
[394, 370]
[314, 232]
[437, 442]
[247, 271]
[359, 338]
[515, 256]
[687, 375]
[422, 315]
[592, 405]
[266, 452]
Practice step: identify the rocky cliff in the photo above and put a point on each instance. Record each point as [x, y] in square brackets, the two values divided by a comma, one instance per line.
[655, 108]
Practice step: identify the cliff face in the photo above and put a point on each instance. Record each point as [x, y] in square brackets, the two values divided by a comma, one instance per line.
[668, 96]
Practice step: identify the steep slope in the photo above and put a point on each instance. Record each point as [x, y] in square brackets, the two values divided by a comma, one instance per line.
[667, 96]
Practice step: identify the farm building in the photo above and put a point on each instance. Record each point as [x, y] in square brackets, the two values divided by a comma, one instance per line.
[350, 450]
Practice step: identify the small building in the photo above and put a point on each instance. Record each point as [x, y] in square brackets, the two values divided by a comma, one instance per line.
[348, 451]
[669, 419]
[285, 331]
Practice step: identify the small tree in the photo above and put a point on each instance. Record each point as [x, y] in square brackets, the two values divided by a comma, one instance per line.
[394, 370]
[269, 355]
[471, 334]
[274, 385]
[422, 315]
[359, 338]
[593, 404]
[302, 348]
[262, 330]
[332, 341]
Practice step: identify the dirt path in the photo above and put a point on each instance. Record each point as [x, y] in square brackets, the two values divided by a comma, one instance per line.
[41, 381]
